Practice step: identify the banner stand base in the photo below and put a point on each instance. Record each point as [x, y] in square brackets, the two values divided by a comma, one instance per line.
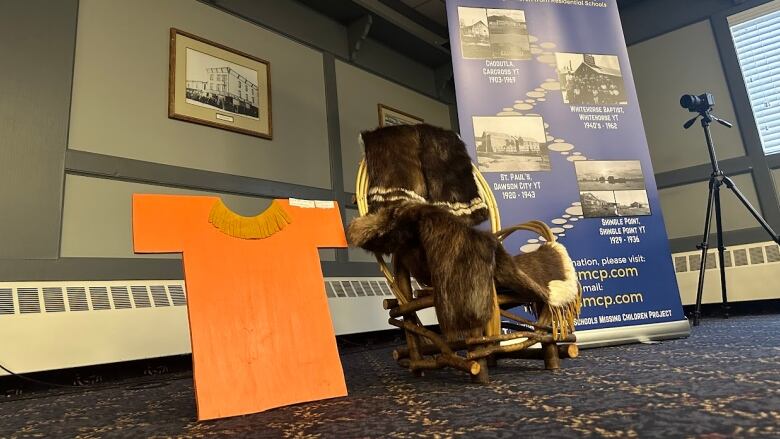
[632, 334]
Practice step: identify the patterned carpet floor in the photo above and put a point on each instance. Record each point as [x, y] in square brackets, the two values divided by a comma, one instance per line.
[723, 381]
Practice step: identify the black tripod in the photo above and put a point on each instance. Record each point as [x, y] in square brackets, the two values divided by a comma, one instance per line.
[717, 179]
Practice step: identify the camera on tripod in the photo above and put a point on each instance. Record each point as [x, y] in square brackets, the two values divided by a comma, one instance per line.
[698, 104]
[703, 104]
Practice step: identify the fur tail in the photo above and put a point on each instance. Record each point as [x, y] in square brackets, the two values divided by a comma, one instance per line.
[461, 262]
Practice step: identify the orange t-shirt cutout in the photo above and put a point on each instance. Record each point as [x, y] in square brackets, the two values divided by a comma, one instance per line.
[260, 327]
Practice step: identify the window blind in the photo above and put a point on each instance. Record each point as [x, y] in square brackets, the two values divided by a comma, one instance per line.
[756, 35]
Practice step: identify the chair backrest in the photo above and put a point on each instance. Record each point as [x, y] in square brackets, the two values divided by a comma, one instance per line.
[361, 194]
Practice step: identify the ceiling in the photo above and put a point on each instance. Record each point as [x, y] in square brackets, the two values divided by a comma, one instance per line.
[433, 9]
[416, 28]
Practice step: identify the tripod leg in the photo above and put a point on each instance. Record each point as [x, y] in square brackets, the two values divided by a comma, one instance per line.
[704, 246]
[721, 251]
[731, 185]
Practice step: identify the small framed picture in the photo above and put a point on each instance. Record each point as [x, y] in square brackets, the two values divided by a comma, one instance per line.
[390, 116]
[215, 85]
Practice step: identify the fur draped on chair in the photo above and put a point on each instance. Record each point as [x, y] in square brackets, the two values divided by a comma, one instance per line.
[423, 204]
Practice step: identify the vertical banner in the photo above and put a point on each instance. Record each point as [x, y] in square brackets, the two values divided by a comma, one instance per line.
[549, 112]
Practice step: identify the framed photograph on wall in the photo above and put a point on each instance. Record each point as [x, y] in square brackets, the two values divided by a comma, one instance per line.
[390, 116]
[215, 85]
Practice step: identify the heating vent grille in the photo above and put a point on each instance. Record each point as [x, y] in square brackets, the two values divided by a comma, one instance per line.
[28, 300]
[158, 296]
[120, 297]
[7, 301]
[99, 296]
[53, 300]
[177, 295]
[31, 298]
[772, 253]
[140, 296]
[77, 299]
[361, 288]
[695, 261]
[754, 254]
[680, 264]
[740, 257]
[48, 298]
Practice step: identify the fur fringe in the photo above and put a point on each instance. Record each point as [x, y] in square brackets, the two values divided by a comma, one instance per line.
[272, 220]
[562, 317]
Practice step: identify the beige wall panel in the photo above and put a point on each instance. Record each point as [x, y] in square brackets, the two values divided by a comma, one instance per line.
[776, 178]
[120, 93]
[359, 92]
[684, 207]
[96, 220]
[685, 61]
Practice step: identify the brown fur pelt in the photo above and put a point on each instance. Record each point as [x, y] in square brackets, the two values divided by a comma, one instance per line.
[546, 279]
[421, 163]
[511, 277]
[440, 250]
[423, 202]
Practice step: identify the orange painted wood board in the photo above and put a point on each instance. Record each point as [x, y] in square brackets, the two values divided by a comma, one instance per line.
[261, 331]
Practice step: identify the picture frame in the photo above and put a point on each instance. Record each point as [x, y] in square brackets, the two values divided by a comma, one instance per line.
[215, 85]
[390, 116]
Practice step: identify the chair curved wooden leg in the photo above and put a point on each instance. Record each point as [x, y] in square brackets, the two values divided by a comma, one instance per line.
[483, 377]
[413, 341]
[552, 361]
[492, 328]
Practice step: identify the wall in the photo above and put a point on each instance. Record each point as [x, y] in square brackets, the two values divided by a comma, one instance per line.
[684, 208]
[359, 92]
[119, 106]
[104, 133]
[36, 40]
[684, 61]
[113, 136]
[776, 176]
[685, 48]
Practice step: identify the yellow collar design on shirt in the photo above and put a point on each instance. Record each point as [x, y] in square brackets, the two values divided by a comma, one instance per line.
[263, 225]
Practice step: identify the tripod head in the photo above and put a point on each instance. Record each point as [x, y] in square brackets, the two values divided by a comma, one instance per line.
[701, 104]
[707, 118]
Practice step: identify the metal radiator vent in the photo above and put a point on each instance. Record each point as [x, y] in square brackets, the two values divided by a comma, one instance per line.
[120, 297]
[158, 296]
[753, 254]
[7, 301]
[177, 295]
[28, 300]
[49, 297]
[53, 300]
[77, 299]
[99, 296]
[140, 296]
[365, 287]
[772, 253]
[74, 298]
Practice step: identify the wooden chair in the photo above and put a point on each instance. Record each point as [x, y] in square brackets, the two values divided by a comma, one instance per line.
[426, 349]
